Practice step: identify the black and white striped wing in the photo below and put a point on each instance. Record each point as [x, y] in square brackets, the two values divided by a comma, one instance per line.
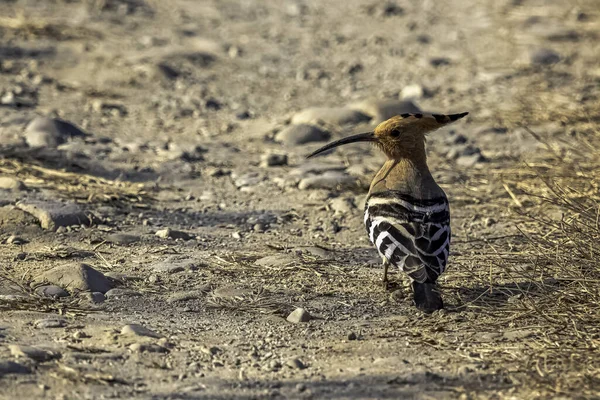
[411, 234]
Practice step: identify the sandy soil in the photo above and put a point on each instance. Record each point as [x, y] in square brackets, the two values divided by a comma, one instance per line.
[182, 105]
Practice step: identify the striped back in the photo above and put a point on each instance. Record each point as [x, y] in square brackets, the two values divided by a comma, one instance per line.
[412, 234]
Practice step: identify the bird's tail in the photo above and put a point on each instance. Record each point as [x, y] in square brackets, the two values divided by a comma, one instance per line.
[427, 297]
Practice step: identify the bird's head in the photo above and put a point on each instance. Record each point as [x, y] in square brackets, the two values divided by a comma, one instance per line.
[399, 136]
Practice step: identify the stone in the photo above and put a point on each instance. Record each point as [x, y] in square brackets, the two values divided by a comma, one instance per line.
[470, 160]
[122, 238]
[352, 336]
[381, 110]
[107, 107]
[295, 135]
[50, 323]
[147, 347]
[118, 292]
[439, 61]
[459, 151]
[518, 334]
[52, 291]
[299, 315]
[173, 265]
[339, 116]
[169, 233]
[53, 215]
[273, 160]
[139, 330]
[231, 292]
[488, 222]
[331, 180]
[413, 91]
[33, 353]
[16, 240]
[314, 251]
[544, 57]
[274, 365]
[276, 260]
[50, 132]
[295, 363]
[342, 205]
[247, 180]
[11, 183]
[76, 277]
[315, 167]
[94, 297]
[11, 367]
[187, 295]
[9, 99]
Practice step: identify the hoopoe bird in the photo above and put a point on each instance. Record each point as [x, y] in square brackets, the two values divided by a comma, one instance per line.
[407, 214]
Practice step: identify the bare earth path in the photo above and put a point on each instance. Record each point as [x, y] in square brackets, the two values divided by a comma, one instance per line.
[184, 103]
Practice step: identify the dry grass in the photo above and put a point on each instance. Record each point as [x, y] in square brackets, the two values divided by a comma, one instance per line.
[80, 187]
[544, 284]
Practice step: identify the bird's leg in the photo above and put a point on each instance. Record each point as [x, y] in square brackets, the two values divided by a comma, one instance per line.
[386, 264]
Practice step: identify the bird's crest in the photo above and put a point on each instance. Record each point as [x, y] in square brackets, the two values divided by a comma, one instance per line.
[415, 123]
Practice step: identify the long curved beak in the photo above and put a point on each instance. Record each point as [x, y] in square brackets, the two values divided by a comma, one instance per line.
[361, 137]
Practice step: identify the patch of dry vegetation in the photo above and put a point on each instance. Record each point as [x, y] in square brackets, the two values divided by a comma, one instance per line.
[544, 287]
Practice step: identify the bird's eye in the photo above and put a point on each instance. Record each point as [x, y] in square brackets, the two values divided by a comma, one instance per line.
[395, 133]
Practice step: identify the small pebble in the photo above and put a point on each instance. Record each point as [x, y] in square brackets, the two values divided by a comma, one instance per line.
[299, 315]
[139, 330]
[169, 233]
[50, 323]
[51, 291]
[544, 57]
[122, 238]
[11, 183]
[273, 160]
[295, 363]
[12, 239]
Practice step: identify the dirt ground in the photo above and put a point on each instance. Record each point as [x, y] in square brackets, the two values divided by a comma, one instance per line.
[183, 106]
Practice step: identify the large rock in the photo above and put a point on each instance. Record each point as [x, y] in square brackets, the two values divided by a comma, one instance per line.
[330, 115]
[76, 277]
[50, 132]
[53, 215]
[381, 110]
[295, 135]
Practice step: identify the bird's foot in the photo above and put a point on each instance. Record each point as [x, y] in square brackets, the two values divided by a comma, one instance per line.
[386, 285]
